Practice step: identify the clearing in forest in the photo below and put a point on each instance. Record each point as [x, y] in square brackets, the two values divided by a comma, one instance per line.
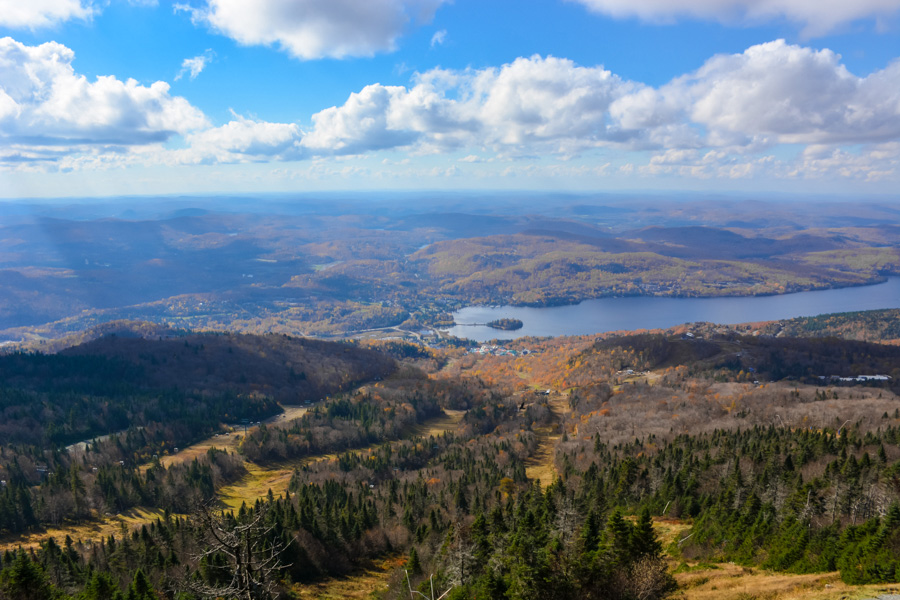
[541, 465]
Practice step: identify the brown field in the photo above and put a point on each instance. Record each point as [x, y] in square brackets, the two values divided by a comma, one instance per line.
[256, 484]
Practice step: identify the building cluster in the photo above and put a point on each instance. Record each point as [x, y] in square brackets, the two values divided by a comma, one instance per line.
[495, 350]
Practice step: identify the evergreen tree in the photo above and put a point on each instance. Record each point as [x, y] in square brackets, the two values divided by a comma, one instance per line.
[643, 541]
[24, 579]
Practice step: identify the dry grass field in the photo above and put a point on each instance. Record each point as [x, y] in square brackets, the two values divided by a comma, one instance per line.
[229, 441]
[541, 465]
[359, 585]
[732, 582]
[86, 532]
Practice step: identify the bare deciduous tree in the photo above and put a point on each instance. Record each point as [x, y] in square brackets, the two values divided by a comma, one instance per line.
[649, 579]
[250, 551]
[460, 557]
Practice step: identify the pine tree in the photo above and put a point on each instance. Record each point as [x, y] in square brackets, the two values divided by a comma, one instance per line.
[413, 565]
[24, 580]
[140, 588]
[643, 541]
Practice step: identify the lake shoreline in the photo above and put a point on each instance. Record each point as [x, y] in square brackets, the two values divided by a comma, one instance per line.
[624, 313]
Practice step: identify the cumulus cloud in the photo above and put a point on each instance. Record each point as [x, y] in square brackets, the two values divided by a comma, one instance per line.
[242, 140]
[531, 104]
[790, 94]
[32, 14]
[707, 123]
[312, 29]
[44, 103]
[722, 120]
[817, 17]
[194, 66]
[366, 122]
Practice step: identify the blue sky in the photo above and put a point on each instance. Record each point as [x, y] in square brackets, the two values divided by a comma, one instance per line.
[111, 97]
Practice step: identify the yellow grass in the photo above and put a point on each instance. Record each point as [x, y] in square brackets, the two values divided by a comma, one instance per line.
[732, 582]
[670, 530]
[260, 479]
[541, 464]
[358, 585]
[93, 530]
[228, 441]
[440, 425]
[255, 484]
[727, 581]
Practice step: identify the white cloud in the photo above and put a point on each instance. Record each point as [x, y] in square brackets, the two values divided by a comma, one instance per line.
[790, 94]
[194, 66]
[242, 140]
[32, 14]
[718, 121]
[817, 17]
[530, 105]
[725, 120]
[872, 164]
[438, 38]
[362, 124]
[772, 93]
[44, 103]
[312, 29]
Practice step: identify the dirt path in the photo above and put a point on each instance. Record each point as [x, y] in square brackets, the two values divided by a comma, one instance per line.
[440, 425]
[541, 465]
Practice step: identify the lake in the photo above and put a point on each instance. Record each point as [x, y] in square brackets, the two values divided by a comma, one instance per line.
[612, 314]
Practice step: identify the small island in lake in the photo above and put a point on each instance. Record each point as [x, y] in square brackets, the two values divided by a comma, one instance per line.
[506, 324]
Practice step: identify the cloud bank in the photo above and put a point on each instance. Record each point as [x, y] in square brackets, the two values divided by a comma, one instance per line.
[737, 116]
[772, 93]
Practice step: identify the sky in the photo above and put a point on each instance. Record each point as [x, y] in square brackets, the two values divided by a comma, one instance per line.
[153, 97]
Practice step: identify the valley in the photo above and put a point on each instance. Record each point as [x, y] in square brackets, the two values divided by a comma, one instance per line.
[539, 420]
[449, 300]
[306, 268]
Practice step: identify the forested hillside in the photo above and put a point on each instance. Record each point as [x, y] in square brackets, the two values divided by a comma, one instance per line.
[554, 473]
